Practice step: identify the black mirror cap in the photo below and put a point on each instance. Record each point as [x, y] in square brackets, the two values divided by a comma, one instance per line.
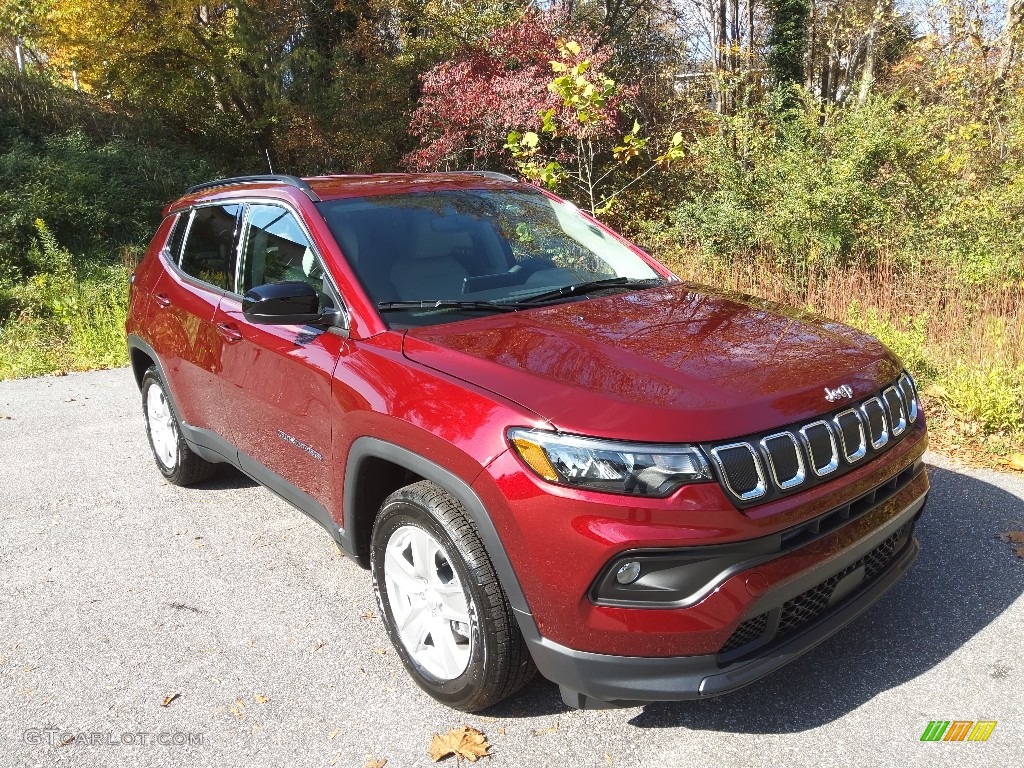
[288, 303]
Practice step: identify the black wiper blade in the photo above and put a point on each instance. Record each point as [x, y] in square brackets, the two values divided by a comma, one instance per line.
[388, 306]
[591, 285]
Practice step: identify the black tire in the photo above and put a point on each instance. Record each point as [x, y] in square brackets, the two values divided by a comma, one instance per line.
[185, 468]
[499, 661]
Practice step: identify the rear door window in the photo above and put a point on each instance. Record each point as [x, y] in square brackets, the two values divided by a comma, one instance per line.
[209, 246]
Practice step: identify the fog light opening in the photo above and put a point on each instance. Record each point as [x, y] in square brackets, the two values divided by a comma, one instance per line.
[628, 572]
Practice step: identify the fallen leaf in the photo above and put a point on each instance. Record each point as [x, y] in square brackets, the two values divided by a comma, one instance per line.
[5, 417]
[375, 763]
[168, 699]
[381, 651]
[1016, 462]
[334, 734]
[1019, 551]
[608, 758]
[261, 699]
[369, 615]
[546, 731]
[319, 644]
[465, 742]
[1012, 537]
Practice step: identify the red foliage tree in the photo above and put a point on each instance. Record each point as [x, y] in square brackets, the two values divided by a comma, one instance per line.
[468, 105]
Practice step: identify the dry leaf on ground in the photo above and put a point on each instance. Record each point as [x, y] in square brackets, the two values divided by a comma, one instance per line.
[168, 699]
[545, 731]
[466, 742]
[1016, 461]
[1019, 552]
[261, 699]
[1012, 537]
[375, 763]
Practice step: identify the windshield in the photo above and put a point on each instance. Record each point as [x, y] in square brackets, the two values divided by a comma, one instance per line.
[471, 248]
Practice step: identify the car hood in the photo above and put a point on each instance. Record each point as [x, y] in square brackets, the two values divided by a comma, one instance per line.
[669, 364]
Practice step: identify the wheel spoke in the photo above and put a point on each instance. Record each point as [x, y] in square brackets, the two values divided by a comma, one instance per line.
[450, 657]
[423, 549]
[453, 602]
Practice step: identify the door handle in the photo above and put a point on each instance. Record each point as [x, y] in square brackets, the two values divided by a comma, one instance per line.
[229, 332]
[162, 300]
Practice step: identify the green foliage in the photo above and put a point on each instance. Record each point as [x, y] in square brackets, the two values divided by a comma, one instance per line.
[850, 187]
[96, 196]
[787, 39]
[57, 322]
[579, 150]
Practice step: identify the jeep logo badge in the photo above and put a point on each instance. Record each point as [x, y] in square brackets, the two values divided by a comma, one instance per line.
[843, 390]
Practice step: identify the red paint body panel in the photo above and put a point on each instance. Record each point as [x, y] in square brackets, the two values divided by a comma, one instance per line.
[672, 364]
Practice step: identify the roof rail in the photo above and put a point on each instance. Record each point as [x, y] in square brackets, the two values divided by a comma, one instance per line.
[280, 178]
[487, 175]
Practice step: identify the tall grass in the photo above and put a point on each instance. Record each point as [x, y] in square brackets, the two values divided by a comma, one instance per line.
[59, 321]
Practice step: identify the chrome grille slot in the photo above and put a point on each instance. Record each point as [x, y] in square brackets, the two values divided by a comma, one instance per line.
[785, 459]
[821, 447]
[741, 471]
[897, 413]
[906, 387]
[874, 415]
[851, 434]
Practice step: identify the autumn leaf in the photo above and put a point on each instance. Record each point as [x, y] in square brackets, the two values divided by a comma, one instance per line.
[1012, 537]
[546, 731]
[261, 699]
[168, 699]
[465, 742]
[1016, 462]
[375, 763]
[1019, 552]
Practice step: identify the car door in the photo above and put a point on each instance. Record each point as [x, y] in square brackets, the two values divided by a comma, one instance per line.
[276, 379]
[199, 267]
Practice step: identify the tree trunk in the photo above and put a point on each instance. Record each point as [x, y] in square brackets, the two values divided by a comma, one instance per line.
[720, 58]
[867, 76]
[811, 50]
[1014, 15]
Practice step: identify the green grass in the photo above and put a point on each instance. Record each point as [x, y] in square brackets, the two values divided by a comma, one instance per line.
[61, 324]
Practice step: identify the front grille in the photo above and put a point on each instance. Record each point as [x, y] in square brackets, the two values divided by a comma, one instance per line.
[800, 611]
[760, 468]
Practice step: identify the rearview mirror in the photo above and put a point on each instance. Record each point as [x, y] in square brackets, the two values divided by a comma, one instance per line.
[288, 303]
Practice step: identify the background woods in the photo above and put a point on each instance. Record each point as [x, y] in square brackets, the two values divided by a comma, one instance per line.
[863, 158]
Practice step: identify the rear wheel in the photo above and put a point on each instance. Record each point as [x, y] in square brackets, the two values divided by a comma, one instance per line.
[442, 604]
[175, 460]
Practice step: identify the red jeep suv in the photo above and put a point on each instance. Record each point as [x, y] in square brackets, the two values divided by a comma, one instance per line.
[549, 451]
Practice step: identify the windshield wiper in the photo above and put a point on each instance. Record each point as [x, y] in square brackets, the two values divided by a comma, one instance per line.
[388, 306]
[587, 287]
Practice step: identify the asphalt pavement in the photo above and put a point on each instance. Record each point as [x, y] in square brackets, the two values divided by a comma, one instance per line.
[119, 591]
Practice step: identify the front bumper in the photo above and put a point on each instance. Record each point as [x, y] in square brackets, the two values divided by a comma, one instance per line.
[594, 680]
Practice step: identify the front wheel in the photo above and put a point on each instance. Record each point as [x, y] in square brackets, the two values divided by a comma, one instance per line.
[442, 604]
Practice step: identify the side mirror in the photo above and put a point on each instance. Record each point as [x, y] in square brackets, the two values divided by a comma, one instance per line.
[288, 303]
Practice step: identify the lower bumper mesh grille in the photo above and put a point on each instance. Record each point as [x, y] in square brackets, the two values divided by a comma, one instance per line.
[808, 606]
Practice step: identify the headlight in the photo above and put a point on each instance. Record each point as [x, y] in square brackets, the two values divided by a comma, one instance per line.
[604, 465]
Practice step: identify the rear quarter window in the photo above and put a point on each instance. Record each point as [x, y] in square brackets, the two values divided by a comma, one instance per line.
[208, 254]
